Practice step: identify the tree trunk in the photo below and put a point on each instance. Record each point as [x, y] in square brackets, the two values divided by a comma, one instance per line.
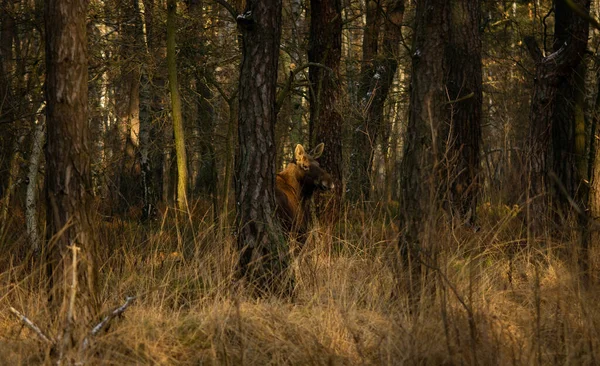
[31, 201]
[441, 153]
[363, 143]
[147, 108]
[263, 258]
[68, 174]
[427, 131]
[128, 105]
[178, 129]
[464, 109]
[552, 165]
[7, 109]
[325, 48]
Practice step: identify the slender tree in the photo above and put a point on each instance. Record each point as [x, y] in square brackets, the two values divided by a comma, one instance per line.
[178, 129]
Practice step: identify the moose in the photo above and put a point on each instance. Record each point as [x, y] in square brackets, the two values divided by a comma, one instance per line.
[295, 186]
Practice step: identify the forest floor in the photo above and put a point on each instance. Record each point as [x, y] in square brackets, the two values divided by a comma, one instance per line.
[489, 298]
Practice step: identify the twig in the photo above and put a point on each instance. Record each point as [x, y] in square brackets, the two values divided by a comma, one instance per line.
[31, 325]
[73, 295]
[107, 319]
[232, 11]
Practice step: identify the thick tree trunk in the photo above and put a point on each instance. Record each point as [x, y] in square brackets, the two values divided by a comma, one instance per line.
[464, 109]
[427, 131]
[68, 174]
[441, 154]
[178, 129]
[552, 165]
[325, 48]
[263, 258]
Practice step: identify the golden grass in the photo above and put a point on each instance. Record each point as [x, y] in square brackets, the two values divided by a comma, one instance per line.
[525, 301]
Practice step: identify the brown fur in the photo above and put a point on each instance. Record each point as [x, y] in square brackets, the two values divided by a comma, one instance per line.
[295, 186]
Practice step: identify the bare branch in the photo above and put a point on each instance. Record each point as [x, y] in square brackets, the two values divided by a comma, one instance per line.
[285, 91]
[229, 8]
[107, 319]
[31, 325]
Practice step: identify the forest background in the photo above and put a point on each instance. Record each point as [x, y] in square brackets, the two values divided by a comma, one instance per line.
[139, 142]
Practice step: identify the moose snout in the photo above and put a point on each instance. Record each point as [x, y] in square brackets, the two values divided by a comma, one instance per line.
[327, 184]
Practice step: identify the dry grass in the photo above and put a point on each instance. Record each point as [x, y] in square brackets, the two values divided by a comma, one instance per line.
[486, 299]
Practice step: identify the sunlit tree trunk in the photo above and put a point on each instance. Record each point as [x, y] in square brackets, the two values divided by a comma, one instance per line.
[178, 129]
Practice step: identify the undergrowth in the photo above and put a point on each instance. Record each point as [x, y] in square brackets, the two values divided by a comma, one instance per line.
[487, 297]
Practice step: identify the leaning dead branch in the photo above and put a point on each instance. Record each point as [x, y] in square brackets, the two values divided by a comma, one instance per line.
[31, 325]
[104, 323]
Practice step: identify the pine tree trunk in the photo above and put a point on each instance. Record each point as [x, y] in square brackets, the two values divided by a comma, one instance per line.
[441, 154]
[325, 48]
[464, 109]
[263, 258]
[68, 175]
[552, 169]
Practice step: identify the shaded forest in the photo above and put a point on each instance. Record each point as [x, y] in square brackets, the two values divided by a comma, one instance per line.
[299, 182]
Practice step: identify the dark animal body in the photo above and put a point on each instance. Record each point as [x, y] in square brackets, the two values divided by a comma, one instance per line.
[295, 186]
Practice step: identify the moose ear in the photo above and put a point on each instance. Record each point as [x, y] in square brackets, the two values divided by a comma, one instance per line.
[299, 152]
[318, 151]
[300, 157]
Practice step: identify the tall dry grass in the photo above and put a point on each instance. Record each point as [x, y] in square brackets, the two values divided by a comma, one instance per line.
[487, 298]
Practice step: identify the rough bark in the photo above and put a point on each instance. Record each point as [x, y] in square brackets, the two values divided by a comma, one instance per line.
[463, 84]
[178, 129]
[552, 166]
[441, 153]
[263, 257]
[68, 174]
[325, 48]
[427, 131]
